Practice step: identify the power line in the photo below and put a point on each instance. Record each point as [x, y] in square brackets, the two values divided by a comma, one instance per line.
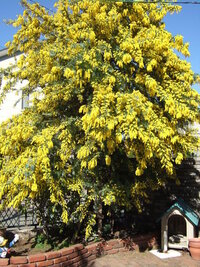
[189, 2]
[140, 2]
[156, 2]
[182, 2]
[166, 2]
[34, 2]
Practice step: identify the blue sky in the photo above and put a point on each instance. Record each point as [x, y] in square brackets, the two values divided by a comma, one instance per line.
[9, 10]
[186, 23]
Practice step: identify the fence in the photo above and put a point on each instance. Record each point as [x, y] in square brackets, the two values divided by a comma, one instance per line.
[12, 218]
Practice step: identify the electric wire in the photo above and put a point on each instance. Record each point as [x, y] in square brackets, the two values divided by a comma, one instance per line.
[158, 2]
[50, 10]
[138, 2]
[168, 2]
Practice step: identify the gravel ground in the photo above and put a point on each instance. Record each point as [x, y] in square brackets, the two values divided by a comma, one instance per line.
[143, 259]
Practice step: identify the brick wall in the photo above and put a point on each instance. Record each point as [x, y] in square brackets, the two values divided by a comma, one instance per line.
[78, 255]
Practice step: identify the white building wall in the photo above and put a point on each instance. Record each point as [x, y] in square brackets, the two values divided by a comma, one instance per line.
[12, 104]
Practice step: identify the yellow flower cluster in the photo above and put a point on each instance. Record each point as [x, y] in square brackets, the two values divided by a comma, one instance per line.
[108, 83]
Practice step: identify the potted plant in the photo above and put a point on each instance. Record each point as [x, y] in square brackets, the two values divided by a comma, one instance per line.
[194, 248]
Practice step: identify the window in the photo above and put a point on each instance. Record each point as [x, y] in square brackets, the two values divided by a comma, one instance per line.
[25, 101]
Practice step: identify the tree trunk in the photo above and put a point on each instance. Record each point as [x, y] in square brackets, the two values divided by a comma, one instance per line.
[76, 233]
[100, 219]
[112, 222]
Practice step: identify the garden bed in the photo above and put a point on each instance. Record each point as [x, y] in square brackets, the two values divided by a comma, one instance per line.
[77, 255]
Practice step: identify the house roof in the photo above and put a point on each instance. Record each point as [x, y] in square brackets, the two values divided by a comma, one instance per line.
[4, 54]
[184, 210]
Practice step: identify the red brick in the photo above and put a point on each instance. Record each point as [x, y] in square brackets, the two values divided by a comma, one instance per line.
[123, 249]
[18, 260]
[92, 248]
[52, 255]
[101, 244]
[94, 252]
[27, 265]
[57, 265]
[36, 258]
[113, 251]
[45, 263]
[77, 247]
[118, 246]
[75, 264]
[66, 251]
[4, 262]
[90, 258]
[113, 242]
[73, 255]
[86, 255]
[83, 251]
[106, 248]
[66, 264]
[61, 259]
[77, 259]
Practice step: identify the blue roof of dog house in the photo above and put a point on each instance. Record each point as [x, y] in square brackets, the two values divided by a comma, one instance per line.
[185, 210]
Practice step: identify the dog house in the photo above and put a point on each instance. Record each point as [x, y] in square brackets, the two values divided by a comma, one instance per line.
[178, 224]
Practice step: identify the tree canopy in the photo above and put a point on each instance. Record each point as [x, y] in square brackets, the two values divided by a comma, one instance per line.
[111, 113]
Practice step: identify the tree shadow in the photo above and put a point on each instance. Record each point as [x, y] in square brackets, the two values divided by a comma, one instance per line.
[160, 201]
[188, 174]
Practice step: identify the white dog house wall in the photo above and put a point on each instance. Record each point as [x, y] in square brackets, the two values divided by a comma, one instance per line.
[178, 224]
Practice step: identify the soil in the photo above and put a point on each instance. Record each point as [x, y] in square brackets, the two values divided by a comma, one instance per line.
[26, 244]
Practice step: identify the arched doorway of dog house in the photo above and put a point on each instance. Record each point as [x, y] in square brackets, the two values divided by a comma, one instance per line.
[177, 231]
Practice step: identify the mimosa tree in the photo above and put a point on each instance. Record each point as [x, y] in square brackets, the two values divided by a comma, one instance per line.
[112, 109]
